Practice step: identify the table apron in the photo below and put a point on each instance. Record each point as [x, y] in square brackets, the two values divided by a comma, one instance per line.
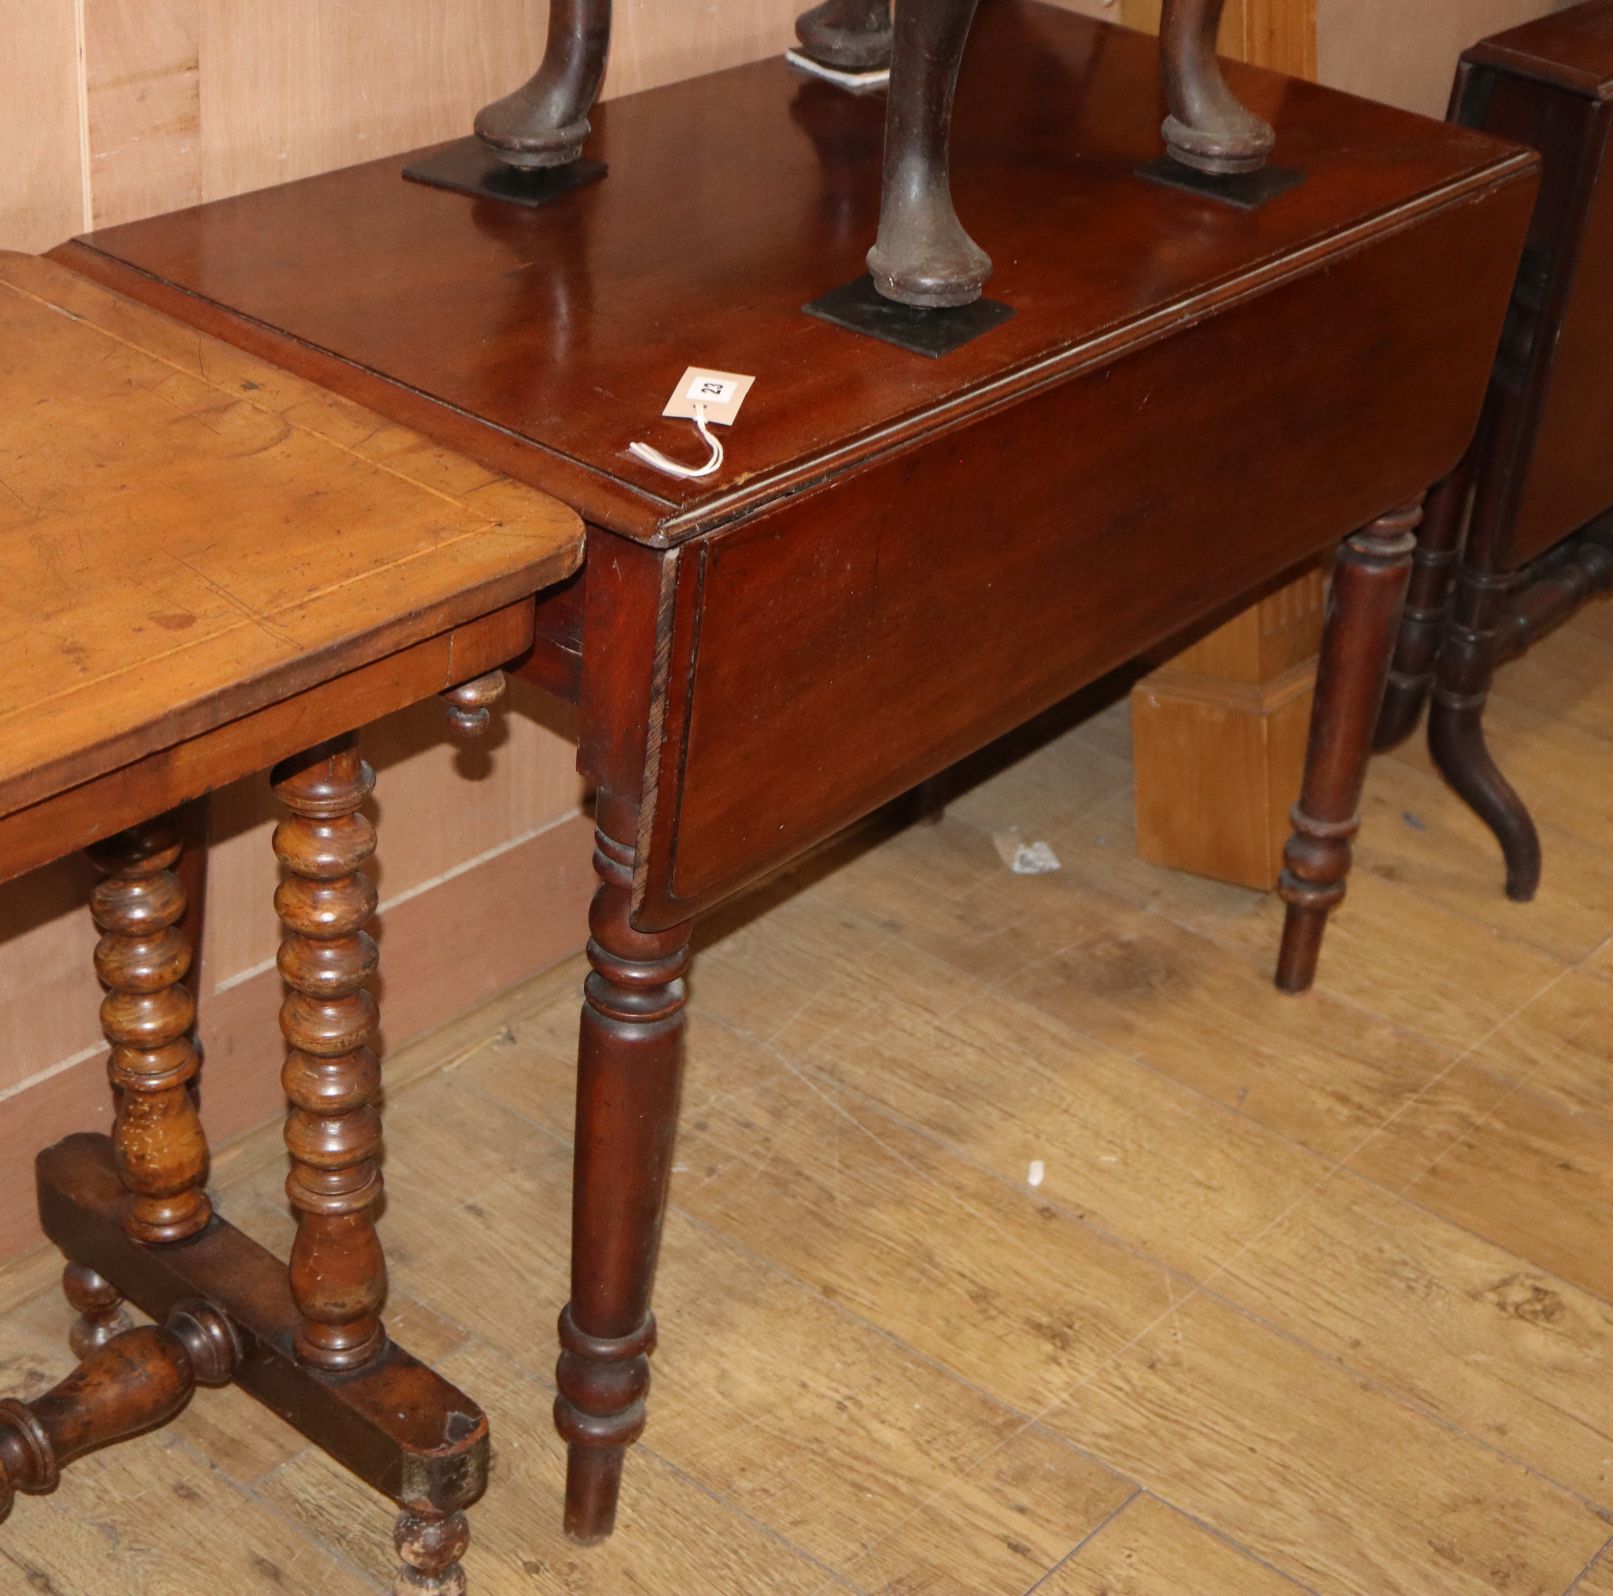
[828, 655]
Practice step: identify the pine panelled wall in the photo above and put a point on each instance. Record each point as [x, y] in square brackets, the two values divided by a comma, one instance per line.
[115, 109]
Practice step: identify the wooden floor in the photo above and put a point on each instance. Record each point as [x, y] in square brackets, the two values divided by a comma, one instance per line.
[1313, 1295]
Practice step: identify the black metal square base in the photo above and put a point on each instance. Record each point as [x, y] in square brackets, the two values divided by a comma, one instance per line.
[1246, 190]
[468, 167]
[860, 308]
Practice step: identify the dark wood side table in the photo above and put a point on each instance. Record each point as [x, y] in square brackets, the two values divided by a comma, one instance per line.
[903, 558]
[211, 566]
[1539, 477]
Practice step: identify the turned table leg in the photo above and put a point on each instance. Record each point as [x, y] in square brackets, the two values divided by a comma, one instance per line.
[922, 255]
[544, 122]
[142, 959]
[1208, 128]
[331, 1075]
[1369, 588]
[853, 35]
[630, 1063]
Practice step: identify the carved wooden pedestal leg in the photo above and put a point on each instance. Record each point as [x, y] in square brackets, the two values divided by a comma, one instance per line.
[630, 1063]
[338, 1275]
[544, 122]
[1369, 588]
[922, 255]
[1467, 662]
[1422, 625]
[853, 35]
[1208, 128]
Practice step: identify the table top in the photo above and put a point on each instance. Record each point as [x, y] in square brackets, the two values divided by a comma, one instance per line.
[546, 340]
[188, 534]
[1572, 49]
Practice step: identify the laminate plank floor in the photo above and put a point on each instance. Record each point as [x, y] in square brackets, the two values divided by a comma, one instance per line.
[1023, 1239]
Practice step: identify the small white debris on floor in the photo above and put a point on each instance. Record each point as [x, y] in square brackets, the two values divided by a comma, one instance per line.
[1036, 1173]
[1024, 858]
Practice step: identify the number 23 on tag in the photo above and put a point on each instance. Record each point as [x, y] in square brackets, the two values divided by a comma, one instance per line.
[718, 393]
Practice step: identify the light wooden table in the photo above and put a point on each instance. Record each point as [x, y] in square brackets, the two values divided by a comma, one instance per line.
[208, 567]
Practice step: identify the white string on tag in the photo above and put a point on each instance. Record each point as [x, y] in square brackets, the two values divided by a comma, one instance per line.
[654, 457]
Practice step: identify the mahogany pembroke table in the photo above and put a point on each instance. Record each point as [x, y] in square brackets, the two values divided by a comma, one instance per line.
[903, 557]
[211, 566]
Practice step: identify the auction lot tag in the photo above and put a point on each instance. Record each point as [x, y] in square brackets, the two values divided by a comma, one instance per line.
[718, 393]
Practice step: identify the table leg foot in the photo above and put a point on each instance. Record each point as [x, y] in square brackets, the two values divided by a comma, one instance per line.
[1369, 590]
[1467, 664]
[1456, 741]
[100, 1310]
[593, 1484]
[431, 1545]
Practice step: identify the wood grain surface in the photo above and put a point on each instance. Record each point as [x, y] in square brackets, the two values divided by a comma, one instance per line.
[190, 536]
[563, 329]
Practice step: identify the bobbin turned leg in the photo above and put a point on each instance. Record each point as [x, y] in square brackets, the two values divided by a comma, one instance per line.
[922, 255]
[331, 1075]
[1422, 623]
[853, 35]
[147, 1015]
[630, 1063]
[1207, 128]
[544, 122]
[1363, 611]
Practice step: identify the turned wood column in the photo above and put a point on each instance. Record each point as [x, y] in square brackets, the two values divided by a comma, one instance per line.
[331, 1075]
[1369, 589]
[630, 1064]
[147, 1015]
